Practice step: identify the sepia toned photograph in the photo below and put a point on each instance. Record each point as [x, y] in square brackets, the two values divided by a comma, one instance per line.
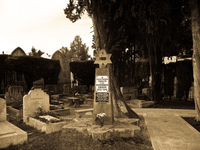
[100, 75]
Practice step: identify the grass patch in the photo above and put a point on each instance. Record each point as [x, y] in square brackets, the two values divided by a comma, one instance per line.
[74, 140]
[174, 104]
[193, 122]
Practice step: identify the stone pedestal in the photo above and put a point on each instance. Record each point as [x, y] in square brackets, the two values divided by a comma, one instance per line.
[102, 97]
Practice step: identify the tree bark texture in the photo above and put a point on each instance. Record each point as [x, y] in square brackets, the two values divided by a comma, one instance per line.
[195, 15]
[155, 61]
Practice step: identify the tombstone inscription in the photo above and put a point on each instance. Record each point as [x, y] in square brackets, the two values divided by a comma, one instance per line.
[102, 90]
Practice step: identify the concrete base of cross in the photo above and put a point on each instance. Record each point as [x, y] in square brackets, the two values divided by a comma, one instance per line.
[123, 127]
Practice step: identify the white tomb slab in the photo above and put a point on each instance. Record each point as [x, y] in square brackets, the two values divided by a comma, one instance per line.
[9, 133]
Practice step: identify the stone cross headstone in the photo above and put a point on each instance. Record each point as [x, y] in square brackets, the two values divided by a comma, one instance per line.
[2, 110]
[102, 97]
[35, 101]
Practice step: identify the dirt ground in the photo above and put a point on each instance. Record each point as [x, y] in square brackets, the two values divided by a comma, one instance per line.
[77, 141]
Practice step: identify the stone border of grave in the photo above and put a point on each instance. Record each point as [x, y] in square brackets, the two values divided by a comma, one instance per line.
[123, 128]
[47, 127]
[15, 113]
[137, 103]
[9, 133]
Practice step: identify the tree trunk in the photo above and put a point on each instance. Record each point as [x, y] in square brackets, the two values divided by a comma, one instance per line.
[196, 53]
[155, 61]
[121, 109]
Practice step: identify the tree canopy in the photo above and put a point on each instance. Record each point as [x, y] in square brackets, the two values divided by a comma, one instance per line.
[83, 71]
[35, 52]
[78, 50]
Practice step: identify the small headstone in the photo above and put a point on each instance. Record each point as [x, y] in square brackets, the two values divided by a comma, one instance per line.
[14, 94]
[129, 92]
[66, 89]
[2, 109]
[34, 102]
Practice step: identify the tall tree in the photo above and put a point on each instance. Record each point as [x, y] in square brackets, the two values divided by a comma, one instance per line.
[35, 52]
[78, 50]
[110, 35]
[158, 22]
[195, 15]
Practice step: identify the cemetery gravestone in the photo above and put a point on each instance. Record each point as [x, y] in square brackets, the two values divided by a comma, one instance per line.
[102, 97]
[14, 94]
[35, 101]
[2, 109]
[129, 92]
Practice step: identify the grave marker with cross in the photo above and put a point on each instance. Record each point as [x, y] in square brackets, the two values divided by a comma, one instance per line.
[102, 93]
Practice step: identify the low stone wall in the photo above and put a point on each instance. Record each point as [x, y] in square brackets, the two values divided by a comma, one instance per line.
[45, 127]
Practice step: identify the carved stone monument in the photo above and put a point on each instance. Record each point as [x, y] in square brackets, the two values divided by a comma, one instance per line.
[102, 98]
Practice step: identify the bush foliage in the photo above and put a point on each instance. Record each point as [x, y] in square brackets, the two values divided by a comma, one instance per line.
[83, 71]
[33, 68]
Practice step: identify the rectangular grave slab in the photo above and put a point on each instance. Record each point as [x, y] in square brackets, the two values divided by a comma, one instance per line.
[46, 127]
[10, 134]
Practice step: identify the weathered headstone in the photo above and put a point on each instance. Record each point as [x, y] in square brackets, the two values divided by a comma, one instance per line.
[34, 102]
[129, 92]
[2, 109]
[102, 94]
[14, 94]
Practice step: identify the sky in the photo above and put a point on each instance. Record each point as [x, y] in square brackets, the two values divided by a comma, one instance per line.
[41, 24]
